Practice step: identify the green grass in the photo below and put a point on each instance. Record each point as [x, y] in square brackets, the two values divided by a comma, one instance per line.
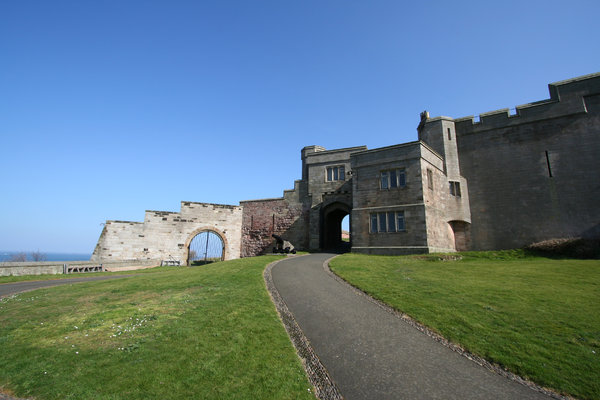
[173, 333]
[537, 317]
[48, 277]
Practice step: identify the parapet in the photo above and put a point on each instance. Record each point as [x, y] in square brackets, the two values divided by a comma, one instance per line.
[567, 97]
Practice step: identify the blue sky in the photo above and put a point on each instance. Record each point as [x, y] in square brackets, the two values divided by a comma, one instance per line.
[110, 108]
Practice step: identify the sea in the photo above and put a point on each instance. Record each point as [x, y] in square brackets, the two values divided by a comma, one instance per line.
[7, 255]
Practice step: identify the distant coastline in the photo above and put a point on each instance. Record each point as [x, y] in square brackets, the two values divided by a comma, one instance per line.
[7, 255]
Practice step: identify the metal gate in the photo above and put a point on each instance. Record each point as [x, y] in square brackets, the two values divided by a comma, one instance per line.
[206, 247]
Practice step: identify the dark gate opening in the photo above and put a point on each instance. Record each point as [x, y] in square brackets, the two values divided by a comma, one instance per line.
[206, 247]
[332, 239]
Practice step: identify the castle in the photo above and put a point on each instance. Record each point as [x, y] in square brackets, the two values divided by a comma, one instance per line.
[503, 181]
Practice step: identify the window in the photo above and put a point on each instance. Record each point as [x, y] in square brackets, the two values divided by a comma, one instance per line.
[455, 188]
[449, 134]
[390, 221]
[393, 178]
[429, 179]
[335, 173]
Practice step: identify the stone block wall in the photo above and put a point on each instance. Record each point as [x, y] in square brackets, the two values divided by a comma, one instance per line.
[534, 175]
[166, 235]
[524, 177]
[286, 216]
[323, 193]
[443, 207]
[369, 197]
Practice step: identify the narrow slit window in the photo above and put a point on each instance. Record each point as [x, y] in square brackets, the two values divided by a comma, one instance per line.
[449, 134]
[548, 163]
[430, 179]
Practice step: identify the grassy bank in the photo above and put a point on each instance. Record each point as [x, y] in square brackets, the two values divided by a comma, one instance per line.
[178, 333]
[49, 277]
[538, 317]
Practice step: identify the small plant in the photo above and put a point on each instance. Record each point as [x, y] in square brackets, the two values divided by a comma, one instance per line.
[18, 257]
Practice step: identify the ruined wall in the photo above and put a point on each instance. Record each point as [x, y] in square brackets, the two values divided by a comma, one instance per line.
[286, 217]
[535, 174]
[166, 235]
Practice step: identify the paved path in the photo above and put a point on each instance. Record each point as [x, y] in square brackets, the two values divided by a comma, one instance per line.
[7, 289]
[371, 353]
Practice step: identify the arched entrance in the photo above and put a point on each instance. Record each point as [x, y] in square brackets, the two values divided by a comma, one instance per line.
[331, 227]
[461, 233]
[206, 246]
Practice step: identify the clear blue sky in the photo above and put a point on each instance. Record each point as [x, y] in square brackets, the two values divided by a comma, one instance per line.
[110, 108]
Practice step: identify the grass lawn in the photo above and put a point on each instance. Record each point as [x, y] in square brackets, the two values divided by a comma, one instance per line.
[171, 333]
[49, 277]
[538, 317]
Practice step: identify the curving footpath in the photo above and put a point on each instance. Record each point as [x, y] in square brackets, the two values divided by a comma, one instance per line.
[371, 353]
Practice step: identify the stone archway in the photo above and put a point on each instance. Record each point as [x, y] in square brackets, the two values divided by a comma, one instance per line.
[210, 233]
[331, 227]
[462, 235]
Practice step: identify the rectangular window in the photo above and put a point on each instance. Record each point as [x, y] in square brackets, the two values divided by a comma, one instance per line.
[385, 179]
[382, 222]
[455, 188]
[393, 178]
[449, 134]
[390, 221]
[336, 173]
[400, 221]
[374, 223]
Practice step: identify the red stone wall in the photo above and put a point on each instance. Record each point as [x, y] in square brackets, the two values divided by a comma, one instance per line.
[263, 218]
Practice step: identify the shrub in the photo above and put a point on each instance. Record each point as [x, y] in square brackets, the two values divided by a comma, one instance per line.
[568, 247]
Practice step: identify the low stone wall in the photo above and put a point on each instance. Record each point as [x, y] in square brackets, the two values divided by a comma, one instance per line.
[57, 267]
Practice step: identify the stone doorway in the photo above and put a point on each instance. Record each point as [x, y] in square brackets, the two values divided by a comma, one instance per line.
[331, 228]
[462, 235]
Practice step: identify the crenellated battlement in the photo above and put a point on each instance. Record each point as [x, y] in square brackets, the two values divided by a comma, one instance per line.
[501, 180]
[567, 97]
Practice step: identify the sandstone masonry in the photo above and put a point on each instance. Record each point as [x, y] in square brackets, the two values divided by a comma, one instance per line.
[504, 181]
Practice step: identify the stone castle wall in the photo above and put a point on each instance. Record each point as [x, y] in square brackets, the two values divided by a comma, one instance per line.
[524, 177]
[535, 174]
[286, 217]
[166, 235]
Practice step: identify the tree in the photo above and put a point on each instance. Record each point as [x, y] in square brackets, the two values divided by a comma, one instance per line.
[18, 257]
[38, 256]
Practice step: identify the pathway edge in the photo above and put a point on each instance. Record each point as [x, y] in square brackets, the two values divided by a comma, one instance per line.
[325, 387]
[495, 368]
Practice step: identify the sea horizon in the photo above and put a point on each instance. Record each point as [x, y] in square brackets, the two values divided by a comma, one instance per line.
[6, 255]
